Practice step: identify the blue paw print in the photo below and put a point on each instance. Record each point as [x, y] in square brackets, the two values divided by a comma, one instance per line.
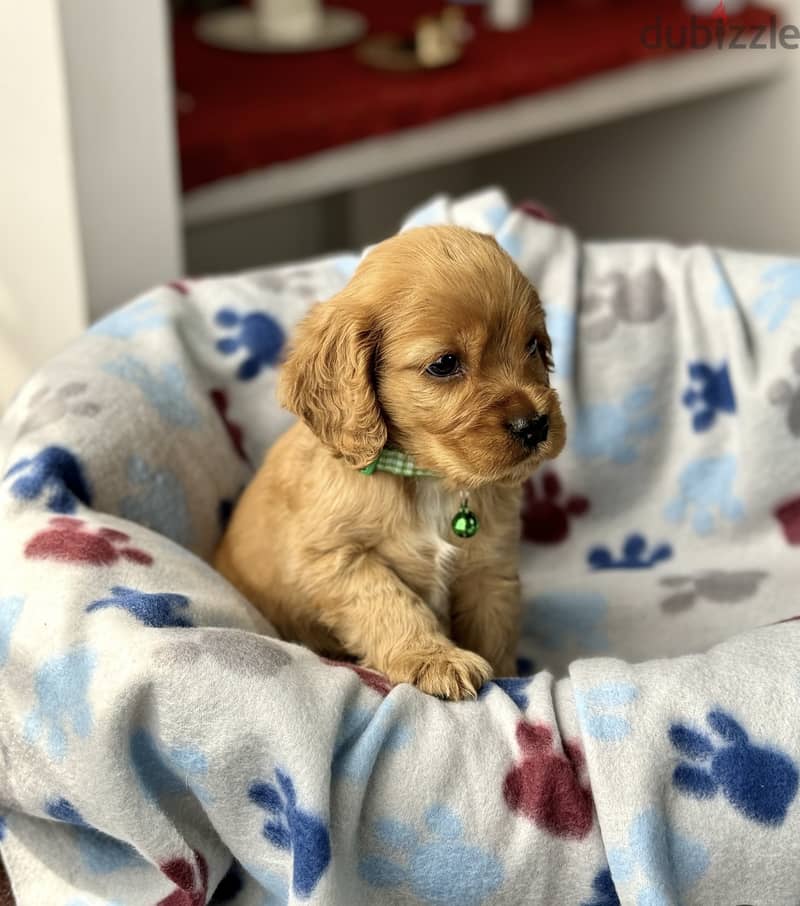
[166, 389]
[10, 609]
[258, 334]
[661, 863]
[273, 883]
[346, 265]
[560, 619]
[159, 502]
[724, 297]
[436, 866]
[781, 293]
[561, 327]
[509, 239]
[496, 215]
[290, 828]
[599, 707]
[130, 320]
[604, 893]
[156, 610]
[61, 687]
[706, 489]
[710, 392]
[615, 431]
[515, 687]
[100, 854]
[168, 771]
[759, 781]
[433, 212]
[635, 555]
[55, 471]
[366, 735]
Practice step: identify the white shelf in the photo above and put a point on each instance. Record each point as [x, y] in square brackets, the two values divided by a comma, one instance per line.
[601, 99]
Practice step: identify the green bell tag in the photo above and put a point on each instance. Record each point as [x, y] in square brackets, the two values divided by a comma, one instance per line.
[465, 523]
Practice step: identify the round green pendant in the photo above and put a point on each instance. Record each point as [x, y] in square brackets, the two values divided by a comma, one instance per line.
[465, 522]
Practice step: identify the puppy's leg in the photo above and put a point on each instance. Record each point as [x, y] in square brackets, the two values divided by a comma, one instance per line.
[390, 628]
[485, 611]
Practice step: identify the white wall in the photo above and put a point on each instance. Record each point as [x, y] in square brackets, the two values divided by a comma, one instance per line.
[119, 76]
[42, 288]
[89, 208]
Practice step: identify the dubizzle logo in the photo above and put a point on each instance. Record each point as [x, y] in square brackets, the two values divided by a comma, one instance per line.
[716, 30]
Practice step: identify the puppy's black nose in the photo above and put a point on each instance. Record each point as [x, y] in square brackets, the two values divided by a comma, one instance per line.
[530, 432]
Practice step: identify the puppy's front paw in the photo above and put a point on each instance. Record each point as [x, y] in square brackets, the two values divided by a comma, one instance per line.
[443, 671]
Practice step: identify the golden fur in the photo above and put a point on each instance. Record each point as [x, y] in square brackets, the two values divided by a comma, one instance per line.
[367, 566]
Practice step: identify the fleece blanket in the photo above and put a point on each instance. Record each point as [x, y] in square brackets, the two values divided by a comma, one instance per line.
[157, 746]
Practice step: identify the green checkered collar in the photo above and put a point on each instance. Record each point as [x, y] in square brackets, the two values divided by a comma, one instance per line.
[395, 462]
[465, 523]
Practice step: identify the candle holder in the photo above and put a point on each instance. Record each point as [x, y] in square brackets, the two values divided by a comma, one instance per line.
[281, 26]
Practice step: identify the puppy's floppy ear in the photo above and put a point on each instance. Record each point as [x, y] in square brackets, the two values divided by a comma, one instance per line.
[327, 380]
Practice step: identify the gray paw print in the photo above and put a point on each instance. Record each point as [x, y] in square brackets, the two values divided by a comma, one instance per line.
[304, 281]
[783, 393]
[51, 404]
[717, 585]
[615, 300]
[235, 651]
[300, 281]
[269, 281]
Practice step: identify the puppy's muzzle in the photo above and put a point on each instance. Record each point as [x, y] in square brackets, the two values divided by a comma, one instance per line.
[530, 431]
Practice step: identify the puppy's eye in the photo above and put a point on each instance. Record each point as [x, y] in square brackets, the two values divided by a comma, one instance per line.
[444, 366]
[533, 348]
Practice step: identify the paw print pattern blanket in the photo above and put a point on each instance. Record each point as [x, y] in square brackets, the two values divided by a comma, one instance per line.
[159, 748]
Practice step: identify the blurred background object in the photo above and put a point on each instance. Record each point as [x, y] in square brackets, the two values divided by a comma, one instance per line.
[435, 41]
[281, 26]
[140, 152]
[508, 14]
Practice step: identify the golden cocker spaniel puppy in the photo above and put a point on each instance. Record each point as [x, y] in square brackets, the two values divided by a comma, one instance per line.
[432, 361]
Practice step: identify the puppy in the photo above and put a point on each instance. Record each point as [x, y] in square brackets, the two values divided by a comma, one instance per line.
[437, 347]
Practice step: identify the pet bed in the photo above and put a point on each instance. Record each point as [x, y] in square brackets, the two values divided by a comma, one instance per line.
[158, 748]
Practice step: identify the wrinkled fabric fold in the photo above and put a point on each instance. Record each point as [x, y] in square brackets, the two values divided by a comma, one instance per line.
[158, 745]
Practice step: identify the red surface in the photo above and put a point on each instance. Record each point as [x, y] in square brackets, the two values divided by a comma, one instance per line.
[249, 111]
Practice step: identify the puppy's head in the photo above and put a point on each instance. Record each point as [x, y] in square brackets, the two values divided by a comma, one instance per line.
[438, 347]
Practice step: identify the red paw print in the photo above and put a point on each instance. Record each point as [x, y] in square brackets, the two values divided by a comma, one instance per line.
[376, 681]
[220, 400]
[71, 540]
[548, 787]
[537, 210]
[788, 514]
[180, 286]
[191, 878]
[545, 520]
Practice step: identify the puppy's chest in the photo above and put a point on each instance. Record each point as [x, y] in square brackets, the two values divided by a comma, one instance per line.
[438, 557]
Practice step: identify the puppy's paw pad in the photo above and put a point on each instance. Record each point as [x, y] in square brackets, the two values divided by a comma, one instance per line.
[448, 672]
